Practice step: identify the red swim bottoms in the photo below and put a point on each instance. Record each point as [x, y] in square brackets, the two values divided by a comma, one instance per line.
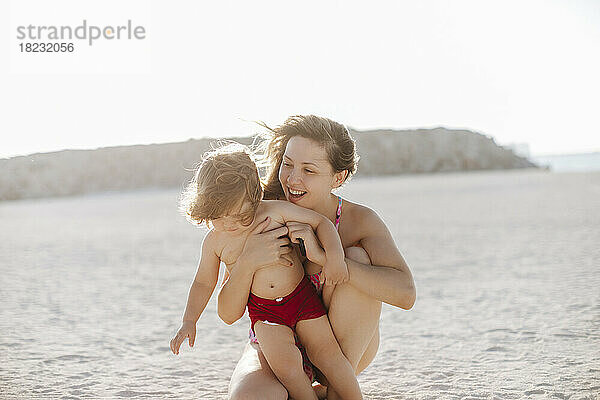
[303, 303]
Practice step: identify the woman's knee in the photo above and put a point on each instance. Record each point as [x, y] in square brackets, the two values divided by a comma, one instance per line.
[260, 394]
[369, 353]
[354, 318]
[257, 389]
[357, 254]
[253, 379]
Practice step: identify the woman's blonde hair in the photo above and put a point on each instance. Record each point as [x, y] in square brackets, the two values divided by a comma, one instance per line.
[226, 178]
[333, 136]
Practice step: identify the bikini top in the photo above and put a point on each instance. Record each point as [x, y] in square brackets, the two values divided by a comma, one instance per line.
[338, 213]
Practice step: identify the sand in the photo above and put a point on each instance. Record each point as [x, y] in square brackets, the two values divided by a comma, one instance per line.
[506, 266]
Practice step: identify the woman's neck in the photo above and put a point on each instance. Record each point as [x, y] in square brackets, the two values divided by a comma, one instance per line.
[328, 208]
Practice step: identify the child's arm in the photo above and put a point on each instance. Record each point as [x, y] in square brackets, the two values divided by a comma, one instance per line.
[335, 269]
[200, 292]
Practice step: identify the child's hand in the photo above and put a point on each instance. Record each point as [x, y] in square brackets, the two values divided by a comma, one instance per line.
[334, 273]
[187, 330]
[266, 249]
[314, 252]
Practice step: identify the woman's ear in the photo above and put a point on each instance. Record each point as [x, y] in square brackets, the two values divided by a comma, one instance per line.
[339, 178]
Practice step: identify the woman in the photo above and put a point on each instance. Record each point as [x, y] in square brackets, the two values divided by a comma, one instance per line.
[310, 156]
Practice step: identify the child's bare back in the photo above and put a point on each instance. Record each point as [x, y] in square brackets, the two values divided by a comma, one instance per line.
[271, 282]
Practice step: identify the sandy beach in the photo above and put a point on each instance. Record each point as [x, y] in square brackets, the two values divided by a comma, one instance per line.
[507, 267]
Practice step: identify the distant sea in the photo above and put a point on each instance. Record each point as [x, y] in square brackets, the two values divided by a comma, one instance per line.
[569, 162]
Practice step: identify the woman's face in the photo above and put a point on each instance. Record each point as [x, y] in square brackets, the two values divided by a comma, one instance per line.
[305, 174]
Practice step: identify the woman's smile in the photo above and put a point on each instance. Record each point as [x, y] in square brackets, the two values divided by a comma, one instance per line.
[305, 172]
[295, 195]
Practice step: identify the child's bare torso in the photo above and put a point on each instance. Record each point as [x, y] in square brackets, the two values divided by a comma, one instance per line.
[269, 282]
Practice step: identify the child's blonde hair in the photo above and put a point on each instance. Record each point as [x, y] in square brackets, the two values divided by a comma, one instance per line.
[226, 178]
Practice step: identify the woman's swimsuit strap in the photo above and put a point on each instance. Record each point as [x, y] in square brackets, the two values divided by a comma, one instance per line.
[338, 213]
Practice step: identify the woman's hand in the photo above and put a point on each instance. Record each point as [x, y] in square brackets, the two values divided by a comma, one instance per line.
[187, 330]
[266, 249]
[314, 252]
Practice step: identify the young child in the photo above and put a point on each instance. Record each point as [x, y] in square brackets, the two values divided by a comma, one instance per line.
[227, 193]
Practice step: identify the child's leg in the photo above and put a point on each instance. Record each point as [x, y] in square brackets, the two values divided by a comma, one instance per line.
[325, 353]
[279, 348]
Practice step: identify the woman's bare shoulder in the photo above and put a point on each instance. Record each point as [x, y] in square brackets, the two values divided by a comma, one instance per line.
[358, 222]
[358, 213]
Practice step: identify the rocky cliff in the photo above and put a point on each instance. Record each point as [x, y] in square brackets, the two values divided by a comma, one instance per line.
[73, 172]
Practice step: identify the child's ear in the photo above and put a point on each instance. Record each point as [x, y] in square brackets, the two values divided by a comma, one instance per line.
[339, 178]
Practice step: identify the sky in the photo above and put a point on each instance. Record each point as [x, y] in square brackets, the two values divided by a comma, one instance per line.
[519, 71]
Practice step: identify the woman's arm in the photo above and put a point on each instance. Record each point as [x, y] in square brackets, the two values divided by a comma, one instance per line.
[389, 278]
[261, 250]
